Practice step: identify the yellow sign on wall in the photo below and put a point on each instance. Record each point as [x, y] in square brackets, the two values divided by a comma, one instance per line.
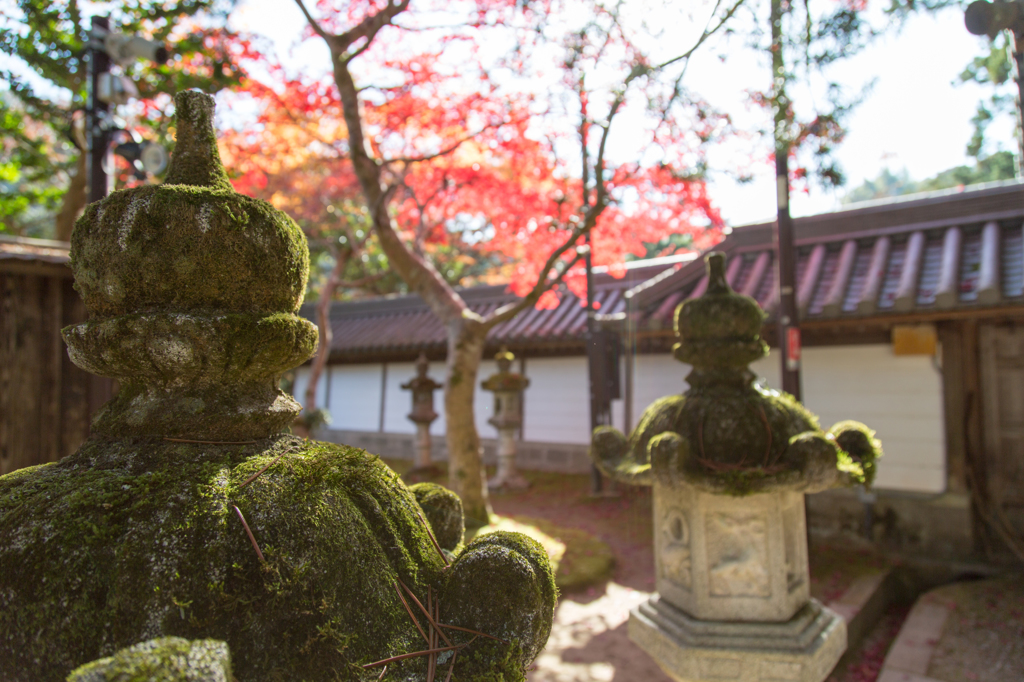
[914, 339]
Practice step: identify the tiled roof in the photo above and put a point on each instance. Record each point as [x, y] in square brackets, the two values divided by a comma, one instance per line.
[404, 325]
[932, 253]
[43, 250]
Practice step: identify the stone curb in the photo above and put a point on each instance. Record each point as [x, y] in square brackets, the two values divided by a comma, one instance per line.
[863, 603]
[910, 654]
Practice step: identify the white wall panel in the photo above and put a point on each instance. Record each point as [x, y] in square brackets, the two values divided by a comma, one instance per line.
[355, 394]
[302, 382]
[557, 403]
[900, 397]
[656, 376]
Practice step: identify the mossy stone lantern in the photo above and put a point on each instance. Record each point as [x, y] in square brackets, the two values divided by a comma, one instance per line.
[189, 513]
[508, 387]
[730, 463]
[422, 414]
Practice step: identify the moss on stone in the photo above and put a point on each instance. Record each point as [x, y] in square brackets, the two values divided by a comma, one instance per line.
[475, 596]
[133, 539]
[443, 511]
[727, 435]
[178, 247]
[167, 659]
[859, 451]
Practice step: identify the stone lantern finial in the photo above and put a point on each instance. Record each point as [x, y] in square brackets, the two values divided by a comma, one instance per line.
[191, 289]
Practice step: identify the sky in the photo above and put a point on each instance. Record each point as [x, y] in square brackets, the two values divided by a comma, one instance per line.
[915, 118]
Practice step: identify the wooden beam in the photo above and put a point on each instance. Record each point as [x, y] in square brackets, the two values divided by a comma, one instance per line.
[805, 292]
[18, 266]
[701, 287]
[868, 300]
[756, 274]
[735, 264]
[844, 268]
[947, 292]
[989, 290]
[906, 293]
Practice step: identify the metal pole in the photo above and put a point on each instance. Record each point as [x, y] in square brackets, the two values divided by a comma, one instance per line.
[96, 112]
[596, 481]
[785, 261]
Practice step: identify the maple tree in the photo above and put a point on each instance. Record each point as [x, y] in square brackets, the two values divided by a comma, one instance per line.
[446, 153]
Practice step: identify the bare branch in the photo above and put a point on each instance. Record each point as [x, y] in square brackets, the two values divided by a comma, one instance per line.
[705, 35]
[510, 310]
[368, 28]
[407, 160]
[317, 28]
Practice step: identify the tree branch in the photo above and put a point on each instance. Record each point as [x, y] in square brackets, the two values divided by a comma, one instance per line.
[510, 310]
[317, 28]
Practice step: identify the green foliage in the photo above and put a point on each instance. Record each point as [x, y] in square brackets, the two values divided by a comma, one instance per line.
[993, 68]
[998, 166]
[44, 41]
[29, 158]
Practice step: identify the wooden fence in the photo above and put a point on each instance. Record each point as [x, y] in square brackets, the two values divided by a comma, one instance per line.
[46, 402]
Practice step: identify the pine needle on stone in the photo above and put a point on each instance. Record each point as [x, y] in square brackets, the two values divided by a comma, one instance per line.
[249, 533]
[426, 613]
[409, 611]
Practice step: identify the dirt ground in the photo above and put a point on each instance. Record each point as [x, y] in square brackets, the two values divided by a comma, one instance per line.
[984, 635]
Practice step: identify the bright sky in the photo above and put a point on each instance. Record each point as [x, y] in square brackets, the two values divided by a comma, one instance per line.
[915, 117]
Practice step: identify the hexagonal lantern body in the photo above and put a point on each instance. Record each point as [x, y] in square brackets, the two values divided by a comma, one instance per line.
[717, 556]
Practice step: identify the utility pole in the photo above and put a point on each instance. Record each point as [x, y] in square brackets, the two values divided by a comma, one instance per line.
[988, 19]
[785, 261]
[103, 91]
[97, 113]
[600, 408]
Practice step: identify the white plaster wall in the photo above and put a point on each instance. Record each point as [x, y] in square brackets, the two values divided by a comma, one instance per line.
[655, 376]
[355, 393]
[900, 397]
[302, 382]
[557, 403]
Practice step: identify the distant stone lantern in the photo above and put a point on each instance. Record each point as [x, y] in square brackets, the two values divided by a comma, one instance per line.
[730, 463]
[422, 414]
[508, 390]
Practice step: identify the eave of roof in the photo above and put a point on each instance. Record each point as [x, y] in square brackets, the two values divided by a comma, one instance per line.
[943, 251]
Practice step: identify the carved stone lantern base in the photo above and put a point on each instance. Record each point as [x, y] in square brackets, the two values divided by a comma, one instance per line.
[803, 649]
[507, 477]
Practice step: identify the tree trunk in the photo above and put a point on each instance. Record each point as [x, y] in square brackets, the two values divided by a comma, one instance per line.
[74, 203]
[466, 474]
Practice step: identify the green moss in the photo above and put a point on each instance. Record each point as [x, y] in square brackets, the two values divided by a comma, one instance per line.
[475, 596]
[178, 348]
[178, 247]
[138, 538]
[443, 511]
[133, 539]
[859, 451]
[168, 659]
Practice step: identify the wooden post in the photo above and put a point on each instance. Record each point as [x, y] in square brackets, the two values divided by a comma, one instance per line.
[789, 327]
